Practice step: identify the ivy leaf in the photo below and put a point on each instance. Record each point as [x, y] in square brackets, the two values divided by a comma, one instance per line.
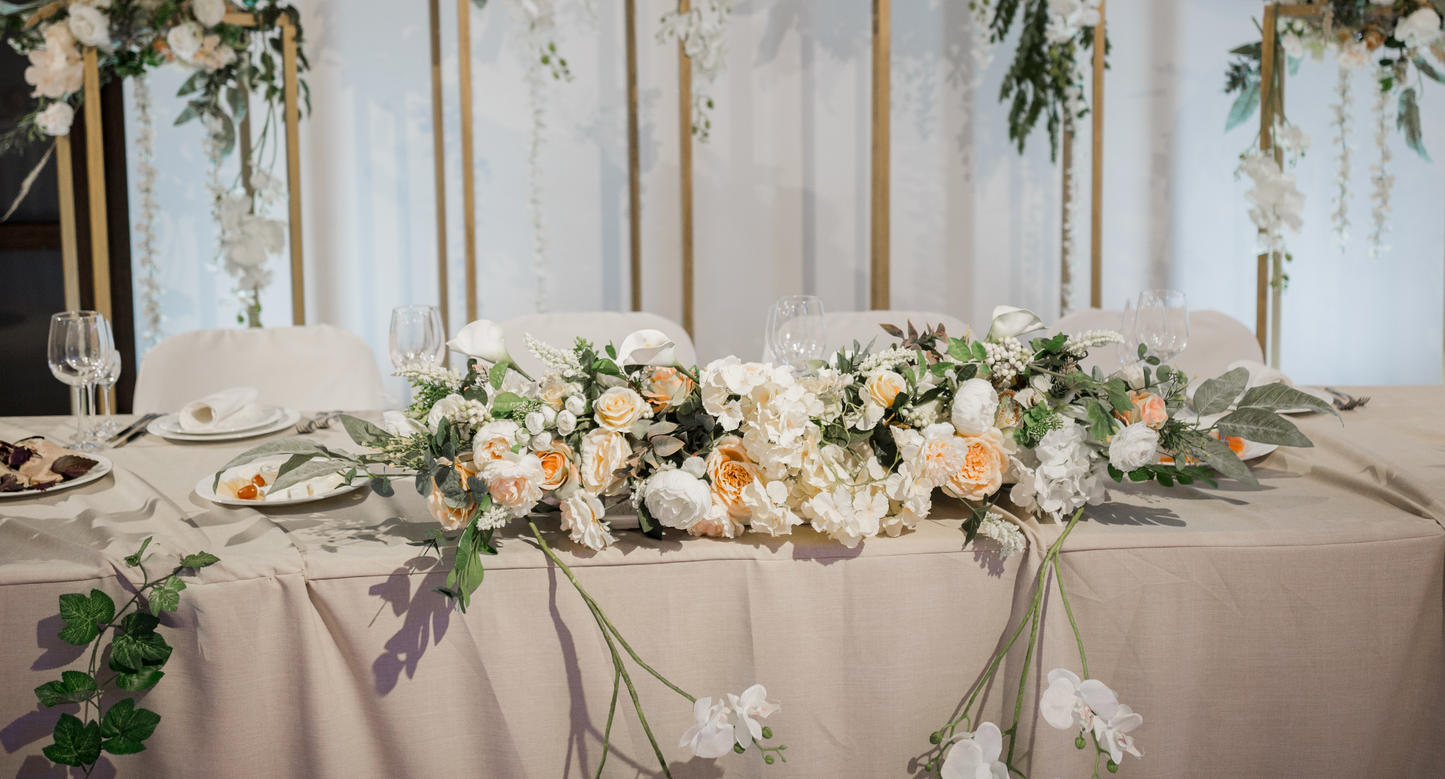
[124, 727]
[143, 679]
[73, 687]
[1409, 121]
[199, 560]
[75, 744]
[1262, 426]
[81, 615]
[1244, 107]
[139, 645]
[166, 596]
[1215, 396]
[1101, 425]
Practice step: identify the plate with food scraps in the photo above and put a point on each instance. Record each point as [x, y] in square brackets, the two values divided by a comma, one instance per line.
[35, 466]
[250, 485]
[288, 418]
[1244, 450]
[170, 424]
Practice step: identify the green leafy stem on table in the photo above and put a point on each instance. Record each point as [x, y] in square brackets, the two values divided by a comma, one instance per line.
[137, 655]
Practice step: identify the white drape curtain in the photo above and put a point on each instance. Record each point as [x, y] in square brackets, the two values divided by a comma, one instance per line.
[782, 187]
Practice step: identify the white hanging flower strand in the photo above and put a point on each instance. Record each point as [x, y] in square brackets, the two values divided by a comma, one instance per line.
[1343, 124]
[703, 32]
[1382, 181]
[145, 226]
[539, 19]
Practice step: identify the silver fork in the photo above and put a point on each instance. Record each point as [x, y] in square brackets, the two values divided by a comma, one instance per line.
[1345, 401]
[318, 422]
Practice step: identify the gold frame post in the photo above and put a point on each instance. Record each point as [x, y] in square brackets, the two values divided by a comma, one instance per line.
[439, 146]
[634, 164]
[69, 252]
[469, 195]
[1266, 146]
[880, 296]
[684, 112]
[1065, 253]
[1096, 221]
[95, 188]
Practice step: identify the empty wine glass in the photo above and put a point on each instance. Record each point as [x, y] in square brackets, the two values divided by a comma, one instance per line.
[79, 352]
[796, 330]
[1160, 321]
[417, 337]
[107, 426]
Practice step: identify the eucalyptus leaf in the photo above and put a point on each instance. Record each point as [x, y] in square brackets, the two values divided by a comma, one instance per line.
[308, 470]
[1215, 396]
[665, 445]
[1262, 426]
[1409, 121]
[268, 449]
[365, 433]
[1217, 455]
[1244, 107]
[1281, 397]
[1429, 70]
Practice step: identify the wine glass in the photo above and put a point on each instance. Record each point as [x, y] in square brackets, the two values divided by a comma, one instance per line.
[107, 425]
[796, 330]
[417, 338]
[79, 352]
[1160, 321]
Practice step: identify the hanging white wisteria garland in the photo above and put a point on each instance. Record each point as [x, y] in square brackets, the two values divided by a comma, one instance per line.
[703, 32]
[1343, 124]
[1380, 179]
[145, 226]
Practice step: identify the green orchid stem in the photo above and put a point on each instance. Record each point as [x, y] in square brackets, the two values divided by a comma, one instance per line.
[1083, 661]
[608, 631]
[611, 710]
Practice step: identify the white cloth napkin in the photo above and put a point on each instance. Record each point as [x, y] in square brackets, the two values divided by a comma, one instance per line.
[227, 409]
[1261, 374]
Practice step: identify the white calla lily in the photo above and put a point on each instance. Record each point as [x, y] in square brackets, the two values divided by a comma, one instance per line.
[1011, 322]
[975, 756]
[647, 347]
[482, 339]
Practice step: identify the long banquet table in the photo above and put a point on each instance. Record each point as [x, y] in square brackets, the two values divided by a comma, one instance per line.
[1290, 631]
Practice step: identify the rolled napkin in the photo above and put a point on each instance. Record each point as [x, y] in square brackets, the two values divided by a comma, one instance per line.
[1261, 374]
[227, 409]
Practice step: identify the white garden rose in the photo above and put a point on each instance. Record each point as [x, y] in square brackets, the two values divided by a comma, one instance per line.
[184, 40]
[647, 347]
[575, 405]
[566, 423]
[975, 407]
[695, 465]
[1420, 28]
[618, 409]
[536, 422]
[1133, 375]
[582, 517]
[209, 12]
[882, 387]
[603, 452]
[677, 499]
[56, 119]
[90, 26]
[514, 481]
[444, 409]
[1133, 447]
[482, 339]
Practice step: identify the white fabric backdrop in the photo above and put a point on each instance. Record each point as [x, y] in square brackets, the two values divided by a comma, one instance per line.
[782, 187]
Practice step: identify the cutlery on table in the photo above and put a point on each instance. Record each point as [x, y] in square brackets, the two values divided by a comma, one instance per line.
[1345, 401]
[318, 422]
[135, 432]
[131, 428]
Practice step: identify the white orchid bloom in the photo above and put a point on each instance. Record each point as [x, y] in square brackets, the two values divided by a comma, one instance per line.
[647, 347]
[482, 339]
[1011, 322]
[752, 703]
[975, 755]
[1090, 705]
[1060, 704]
[712, 736]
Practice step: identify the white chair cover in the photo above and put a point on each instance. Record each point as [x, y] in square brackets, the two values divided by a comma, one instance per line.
[600, 327]
[845, 327]
[1215, 340]
[313, 368]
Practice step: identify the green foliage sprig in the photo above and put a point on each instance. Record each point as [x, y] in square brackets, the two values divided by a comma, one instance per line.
[1038, 80]
[137, 655]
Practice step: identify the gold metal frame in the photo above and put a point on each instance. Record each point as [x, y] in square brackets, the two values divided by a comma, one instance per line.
[95, 187]
[879, 296]
[634, 165]
[684, 129]
[1096, 206]
[439, 146]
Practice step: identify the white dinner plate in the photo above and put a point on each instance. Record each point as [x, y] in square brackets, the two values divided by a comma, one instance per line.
[102, 467]
[170, 424]
[288, 418]
[204, 489]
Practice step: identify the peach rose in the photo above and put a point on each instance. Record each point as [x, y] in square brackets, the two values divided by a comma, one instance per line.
[618, 408]
[666, 387]
[882, 387]
[493, 440]
[602, 454]
[1148, 408]
[515, 481]
[451, 518]
[942, 457]
[730, 470]
[559, 469]
[983, 467]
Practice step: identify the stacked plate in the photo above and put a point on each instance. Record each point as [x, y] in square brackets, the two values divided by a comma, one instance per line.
[272, 420]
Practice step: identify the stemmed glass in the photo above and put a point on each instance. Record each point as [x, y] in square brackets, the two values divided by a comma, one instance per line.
[79, 353]
[1160, 321]
[417, 336]
[107, 425]
[797, 332]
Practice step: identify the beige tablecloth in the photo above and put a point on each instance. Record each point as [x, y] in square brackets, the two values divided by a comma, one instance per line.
[1290, 631]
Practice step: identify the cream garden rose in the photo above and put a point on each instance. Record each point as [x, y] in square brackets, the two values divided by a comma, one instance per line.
[975, 407]
[983, 467]
[677, 498]
[560, 475]
[666, 388]
[603, 452]
[883, 387]
[89, 25]
[56, 119]
[493, 440]
[618, 409]
[582, 518]
[514, 481]
[729, 470]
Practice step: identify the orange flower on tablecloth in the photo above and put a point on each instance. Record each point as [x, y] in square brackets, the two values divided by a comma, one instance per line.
[730, 470]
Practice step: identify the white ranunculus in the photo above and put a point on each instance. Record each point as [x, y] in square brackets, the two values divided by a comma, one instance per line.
[541, 441]
[1133, 447]
[975, 756]
[712, 736]
[90, 26]
[482, 339]
[443, 409]
[575, 405]
[56, 119]
[1133, 375]
[566, 423]
[397, 423]
[1420, 28]
[209, 12]
[647, 347]
[695, 465]
[677, 499]
[975, 407]
[752, 703]
[184, 40]
[582, 516]
[1011, 322]
[535, 422]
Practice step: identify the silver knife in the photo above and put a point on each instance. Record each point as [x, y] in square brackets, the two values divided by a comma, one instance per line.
[132, 427]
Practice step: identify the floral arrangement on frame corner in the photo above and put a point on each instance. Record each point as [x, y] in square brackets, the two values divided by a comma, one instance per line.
[1393, 42]
[229, 63]
[853, 448]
